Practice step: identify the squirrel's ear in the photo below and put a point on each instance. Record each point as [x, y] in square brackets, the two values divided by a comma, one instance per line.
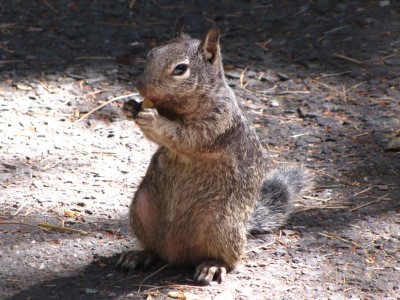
[210, 45]
[179, 25]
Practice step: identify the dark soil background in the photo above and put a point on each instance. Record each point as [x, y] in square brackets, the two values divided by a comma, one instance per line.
[321, 81]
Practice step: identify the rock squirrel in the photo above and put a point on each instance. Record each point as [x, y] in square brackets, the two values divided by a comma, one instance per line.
[206, 186]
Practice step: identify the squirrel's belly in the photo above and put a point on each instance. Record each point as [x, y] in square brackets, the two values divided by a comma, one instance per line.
[187, 245]
[184, 240]
[143, 216]
[179, 212]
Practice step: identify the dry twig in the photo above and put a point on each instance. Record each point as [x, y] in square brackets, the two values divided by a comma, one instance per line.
[300, 134]
[46, 226]
[331, 31]
[336, 29]
[330, 176]
[7, 25]
[95, 57]
[50, 6]
[264, 44]
[241, 79]
[10, 61]
[335, 74]
[335, 237]
[6, 49]
[326, 86]
[316, 198]
[55, 164]
[369, 203]
[59, 228]
[132, 3]
[17, 223]
[333, 186]
[259, 247]
[293, 92]
[21, 207]
[344, 57]
[362, 192]
[151, 275]
[320, 207]
[101, 106]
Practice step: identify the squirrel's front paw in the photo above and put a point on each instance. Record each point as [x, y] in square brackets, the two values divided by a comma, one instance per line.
[147, 117]
[131, 109]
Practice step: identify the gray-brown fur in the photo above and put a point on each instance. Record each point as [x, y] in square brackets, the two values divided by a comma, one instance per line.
[204, 180]
[279, 190]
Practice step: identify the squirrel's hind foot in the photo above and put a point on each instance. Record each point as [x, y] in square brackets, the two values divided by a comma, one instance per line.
[134, 260]
[210, 270]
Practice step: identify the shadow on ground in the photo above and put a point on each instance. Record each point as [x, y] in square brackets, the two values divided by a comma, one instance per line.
[44, 38]
[99, 280]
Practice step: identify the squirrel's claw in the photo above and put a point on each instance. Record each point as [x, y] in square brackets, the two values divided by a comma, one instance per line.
[147, 117]
[133, 260]
[210, 270]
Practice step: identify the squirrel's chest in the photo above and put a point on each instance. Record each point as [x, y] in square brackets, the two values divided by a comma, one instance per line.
[174, 164]
[182, 179]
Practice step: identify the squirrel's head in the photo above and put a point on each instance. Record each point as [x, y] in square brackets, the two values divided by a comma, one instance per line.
[181, 71]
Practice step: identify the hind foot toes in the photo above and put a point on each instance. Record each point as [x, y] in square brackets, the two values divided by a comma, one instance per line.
[134, 260]
[208, 271]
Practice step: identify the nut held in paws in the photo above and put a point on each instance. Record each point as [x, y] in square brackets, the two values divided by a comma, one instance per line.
[146, 104]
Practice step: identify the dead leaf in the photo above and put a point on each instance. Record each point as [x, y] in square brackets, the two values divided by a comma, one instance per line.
[149, 297]
[394, 144]
[152, 295]
[102, 265]
[23, 87]
[72, 214]
[382, 187]
[183, 295]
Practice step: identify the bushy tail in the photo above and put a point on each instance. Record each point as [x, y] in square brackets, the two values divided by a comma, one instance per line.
[280, 189]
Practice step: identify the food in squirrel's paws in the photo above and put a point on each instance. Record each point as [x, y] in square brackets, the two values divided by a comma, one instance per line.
[146, 103]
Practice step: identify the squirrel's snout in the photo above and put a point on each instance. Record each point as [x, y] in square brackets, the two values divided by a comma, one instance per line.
[141, 87]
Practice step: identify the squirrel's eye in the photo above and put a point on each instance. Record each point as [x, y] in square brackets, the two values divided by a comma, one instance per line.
[180, 69]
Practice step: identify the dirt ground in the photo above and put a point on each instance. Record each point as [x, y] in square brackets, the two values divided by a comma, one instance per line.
[321, 81]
